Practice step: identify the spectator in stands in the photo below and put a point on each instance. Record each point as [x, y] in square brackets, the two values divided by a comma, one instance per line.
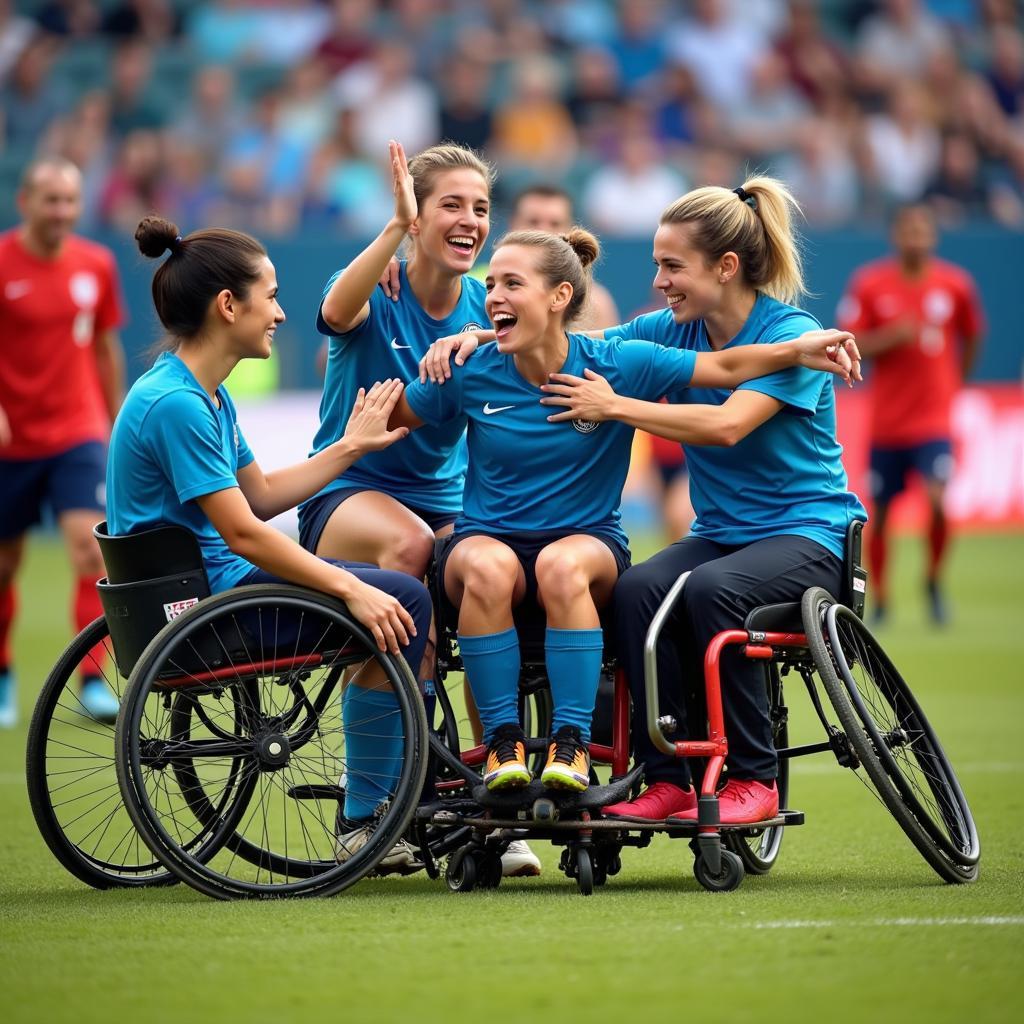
[720, 49]
[895, 43]
[1008, 188]
[902, 146]
[816, 64]
[30, 97]
[958, 191]
[212, 116]
[822, 174]
[674, 113]
[134, 103]
[771, 120]
[74, 18]
[154, 21]
[533, 129]
[306, 112]
[349, 39]
[16, 32]
[639, 44]
[136, 184]
[626, 198]
[593, 96]
[389, 101]
[1006, 70]
[465, 110]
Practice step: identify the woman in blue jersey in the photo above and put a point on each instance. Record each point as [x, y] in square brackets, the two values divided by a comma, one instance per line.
[177, 456]
[540, 518]
[766, 478]
[387, 508]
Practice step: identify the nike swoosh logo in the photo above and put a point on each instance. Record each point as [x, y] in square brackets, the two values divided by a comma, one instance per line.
[396, 346]
[490, 410]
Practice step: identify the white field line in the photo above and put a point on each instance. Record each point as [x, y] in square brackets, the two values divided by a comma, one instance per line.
[886, 922]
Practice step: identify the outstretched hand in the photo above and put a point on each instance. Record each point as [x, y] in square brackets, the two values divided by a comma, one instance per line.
[589, 397]
[436, 365]
[831, 351]
[367, 427]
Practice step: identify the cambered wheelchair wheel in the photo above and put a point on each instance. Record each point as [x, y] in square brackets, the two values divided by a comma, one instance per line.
[231, 729]
[903, 761]
[759, 848]
[72, 783]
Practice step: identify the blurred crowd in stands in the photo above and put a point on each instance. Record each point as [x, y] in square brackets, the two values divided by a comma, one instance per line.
[275, 116]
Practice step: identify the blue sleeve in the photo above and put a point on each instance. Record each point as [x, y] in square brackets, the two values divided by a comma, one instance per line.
[377, 319]
[647, 326]
[798, 387]
[183, 433]
[437, 403]
[245, 454]
[649, 371]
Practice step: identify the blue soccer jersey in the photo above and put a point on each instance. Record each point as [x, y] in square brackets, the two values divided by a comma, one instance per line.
[785, 477]
[426, 470]
[170, 445]
[528, 474]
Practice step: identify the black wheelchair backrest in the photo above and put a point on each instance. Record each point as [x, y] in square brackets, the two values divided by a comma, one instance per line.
[855, 577]
[152, 577]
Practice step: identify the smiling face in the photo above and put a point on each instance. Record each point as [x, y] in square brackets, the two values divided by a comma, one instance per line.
[521, 303]
[692, 286]
[257, 315]
[454, 220]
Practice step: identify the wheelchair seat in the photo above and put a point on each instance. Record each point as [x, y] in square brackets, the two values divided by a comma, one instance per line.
[152, 577]
[785, 617]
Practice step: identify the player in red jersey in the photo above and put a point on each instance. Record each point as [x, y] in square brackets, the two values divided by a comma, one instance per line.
[61, 382]
[920, 320]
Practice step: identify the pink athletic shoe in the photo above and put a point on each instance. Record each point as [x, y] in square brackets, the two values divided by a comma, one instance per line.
[741, 802]
[656, 803]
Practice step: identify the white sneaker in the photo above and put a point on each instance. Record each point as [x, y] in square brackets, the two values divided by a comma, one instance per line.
[400, 860]
[519, 861]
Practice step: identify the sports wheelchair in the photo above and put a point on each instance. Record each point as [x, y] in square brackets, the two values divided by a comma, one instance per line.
[228, 765]
[872, 723]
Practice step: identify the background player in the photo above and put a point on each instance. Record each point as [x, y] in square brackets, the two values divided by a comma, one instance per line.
[61, 382]
[920, 320]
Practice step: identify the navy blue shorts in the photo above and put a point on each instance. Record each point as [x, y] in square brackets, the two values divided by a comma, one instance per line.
[69, 481]
[314, 514]
[890, 467]
[528, 544]
[410, 592]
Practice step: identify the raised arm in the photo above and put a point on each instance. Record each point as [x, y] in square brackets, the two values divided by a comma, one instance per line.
[347, 303]
[269, 494]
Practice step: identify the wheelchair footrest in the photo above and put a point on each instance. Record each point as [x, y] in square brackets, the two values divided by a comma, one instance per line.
[591, 799]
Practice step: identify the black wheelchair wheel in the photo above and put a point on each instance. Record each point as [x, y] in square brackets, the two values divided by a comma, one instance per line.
[759, 848]
[230, 733]
[72, 782]
[903, 762]
[729, 877]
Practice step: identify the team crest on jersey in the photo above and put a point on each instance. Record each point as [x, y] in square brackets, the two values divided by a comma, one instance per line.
[85, 290]
[586, 426]
[471, 327]
[938, 306]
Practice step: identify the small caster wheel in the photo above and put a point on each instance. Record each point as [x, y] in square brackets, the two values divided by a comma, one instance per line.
[614, 864]
[460, 875]
[489, 872]
[729, 878]
[600, 871]
[584, 872]
[545, 809]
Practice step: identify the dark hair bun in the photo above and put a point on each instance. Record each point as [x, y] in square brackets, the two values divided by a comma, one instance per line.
[156, 235]
[584, 244]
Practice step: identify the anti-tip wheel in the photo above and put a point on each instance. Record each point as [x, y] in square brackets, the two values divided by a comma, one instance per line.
[729, 878]
[584, 872]
[545, 809]
[460, 875]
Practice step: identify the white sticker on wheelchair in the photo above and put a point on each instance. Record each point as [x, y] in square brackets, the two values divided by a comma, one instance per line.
[859, 585]
[176, 608]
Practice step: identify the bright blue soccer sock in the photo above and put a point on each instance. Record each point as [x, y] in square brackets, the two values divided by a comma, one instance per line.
[492, 668]
[374, 741]
[573, 659]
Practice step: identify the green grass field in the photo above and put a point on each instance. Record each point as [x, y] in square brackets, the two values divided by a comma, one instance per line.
[850, 924]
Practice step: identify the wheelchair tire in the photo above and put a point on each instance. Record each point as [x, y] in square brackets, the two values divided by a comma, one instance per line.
[759, 848]
[258, 751]
[72, 783]
[729, 877]
[902, 758]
